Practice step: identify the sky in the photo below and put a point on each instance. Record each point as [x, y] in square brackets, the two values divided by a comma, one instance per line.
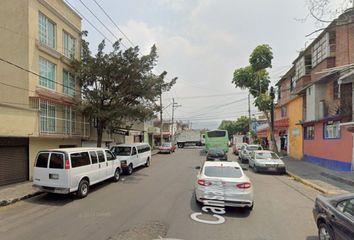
[202, 42]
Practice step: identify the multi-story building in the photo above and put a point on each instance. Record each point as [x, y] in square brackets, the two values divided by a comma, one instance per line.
[38, 40]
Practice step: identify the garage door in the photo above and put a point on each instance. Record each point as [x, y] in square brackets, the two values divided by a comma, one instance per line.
[13, 164]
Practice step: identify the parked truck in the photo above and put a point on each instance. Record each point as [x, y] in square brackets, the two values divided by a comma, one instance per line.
[188, 138]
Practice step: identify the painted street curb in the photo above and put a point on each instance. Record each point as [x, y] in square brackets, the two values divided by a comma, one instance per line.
[308, 183]
[4, 203]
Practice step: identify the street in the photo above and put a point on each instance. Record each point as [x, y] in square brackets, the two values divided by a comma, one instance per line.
[157, 202]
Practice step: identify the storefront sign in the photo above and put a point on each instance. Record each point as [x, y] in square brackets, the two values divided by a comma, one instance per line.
[121, 132]
[295, 132]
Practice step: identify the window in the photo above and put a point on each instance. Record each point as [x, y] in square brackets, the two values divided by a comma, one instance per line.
[94, 158]
[320, 50]
[101, 156]
[309, 133]
[80, 159]
[47, 115]
[331, 130]
[56, 161]
[283, 111]
[216, 134]
[346, 207]
[227, 172]
[110, 156]
[134, 151]
[47, 74]
[300, 69]
[146, 148]
[68, 84]
[69, 45]
[121, 151]
[46, 31]
[69, 120]
[292, 83]
[42, 160]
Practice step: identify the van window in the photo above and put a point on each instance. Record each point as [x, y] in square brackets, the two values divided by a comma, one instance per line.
[80, 159]
[121, 151]
[110, 156]
[56, 161]
[42, 160]
[93, 156]
[134, 151]
[100, 156]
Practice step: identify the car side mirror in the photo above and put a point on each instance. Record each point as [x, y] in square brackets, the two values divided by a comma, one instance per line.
[197, 167]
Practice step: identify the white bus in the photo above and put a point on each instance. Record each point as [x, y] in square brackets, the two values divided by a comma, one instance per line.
[132, 155]
[74, 169]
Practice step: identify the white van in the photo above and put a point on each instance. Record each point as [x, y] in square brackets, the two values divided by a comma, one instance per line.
[69, 170]
[132, 155]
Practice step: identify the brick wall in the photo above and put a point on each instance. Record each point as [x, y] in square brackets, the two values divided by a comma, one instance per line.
[344, 44]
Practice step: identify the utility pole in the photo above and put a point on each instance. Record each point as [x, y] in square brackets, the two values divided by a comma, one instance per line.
[161, 123]
[249, 118]
[274, 146]
[174, 105]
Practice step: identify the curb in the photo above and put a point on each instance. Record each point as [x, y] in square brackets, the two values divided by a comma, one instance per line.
[4, 203]
[308, 183]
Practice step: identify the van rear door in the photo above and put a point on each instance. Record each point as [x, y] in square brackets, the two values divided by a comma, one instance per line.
[49, 170]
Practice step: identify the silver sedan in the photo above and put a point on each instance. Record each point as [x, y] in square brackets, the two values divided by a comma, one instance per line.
[266, 161]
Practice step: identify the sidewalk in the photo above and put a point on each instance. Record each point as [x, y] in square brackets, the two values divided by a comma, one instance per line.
[323, 179]
[15, 192]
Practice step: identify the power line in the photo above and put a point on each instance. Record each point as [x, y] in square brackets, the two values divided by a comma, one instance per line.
[78, 12]
[212, 95]
[102, 23]
[107, 15]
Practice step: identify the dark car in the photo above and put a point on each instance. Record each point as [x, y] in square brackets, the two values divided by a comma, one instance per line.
[334, 216]
[216, 154]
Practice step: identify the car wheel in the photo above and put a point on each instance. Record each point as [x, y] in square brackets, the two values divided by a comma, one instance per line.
[255, 168]
[147, 164]
[116, 175]
[83, 188]
[130, 169]
[324, 232]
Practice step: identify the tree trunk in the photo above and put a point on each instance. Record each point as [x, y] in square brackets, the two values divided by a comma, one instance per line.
[274, 143]
[99, 133]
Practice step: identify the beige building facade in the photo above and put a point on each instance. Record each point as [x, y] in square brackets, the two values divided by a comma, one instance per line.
[38, 40]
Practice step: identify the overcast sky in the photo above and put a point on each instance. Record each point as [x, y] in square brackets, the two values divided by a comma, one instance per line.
[202, 42]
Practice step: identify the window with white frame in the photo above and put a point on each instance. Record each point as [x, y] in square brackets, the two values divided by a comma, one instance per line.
[68, 84]
[320, 50]
[47, 74]
[47, 114]
[69, 45]
[46, 31]
[331, 130]
[69, 120]
[300, 69]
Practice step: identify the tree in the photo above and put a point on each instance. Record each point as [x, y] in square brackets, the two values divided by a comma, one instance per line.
[118, 86]
[240, 126]
[255, 78]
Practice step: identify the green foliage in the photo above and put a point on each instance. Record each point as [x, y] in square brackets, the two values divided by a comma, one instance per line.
[241, 125]
[118, 86]
[263, 102]
[261, 57]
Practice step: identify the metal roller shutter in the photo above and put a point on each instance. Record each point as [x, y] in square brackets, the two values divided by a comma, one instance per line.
[13, 164]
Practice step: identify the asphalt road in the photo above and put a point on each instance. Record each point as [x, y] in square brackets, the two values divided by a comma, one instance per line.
[157, 202]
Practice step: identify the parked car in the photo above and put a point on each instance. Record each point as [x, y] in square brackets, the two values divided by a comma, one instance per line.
[266, 161]
[237, 148]
[334, 216]
[246, 150]
[167, 147]
[216, 154]
[132, 156]
[228, 177]
[74, 169]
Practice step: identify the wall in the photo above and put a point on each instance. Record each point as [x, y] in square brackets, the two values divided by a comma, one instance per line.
[334, 153]
[37, 144]
[310, 103]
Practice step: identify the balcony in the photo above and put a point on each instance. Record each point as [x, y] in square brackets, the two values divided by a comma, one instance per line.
[58, 120]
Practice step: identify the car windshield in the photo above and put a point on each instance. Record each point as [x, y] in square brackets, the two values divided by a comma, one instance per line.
[216, 151]
[166, 145]
[266, 155]
[222, 171]
[121, 151]
[253, 148]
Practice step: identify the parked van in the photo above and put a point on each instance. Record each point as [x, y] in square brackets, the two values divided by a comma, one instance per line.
[69, 170]
[132, 155]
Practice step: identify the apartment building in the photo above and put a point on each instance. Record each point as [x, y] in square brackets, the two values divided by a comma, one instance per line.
[38, 40]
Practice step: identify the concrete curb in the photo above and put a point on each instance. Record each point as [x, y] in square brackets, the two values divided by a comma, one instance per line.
[308, 183]
[4, 203]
